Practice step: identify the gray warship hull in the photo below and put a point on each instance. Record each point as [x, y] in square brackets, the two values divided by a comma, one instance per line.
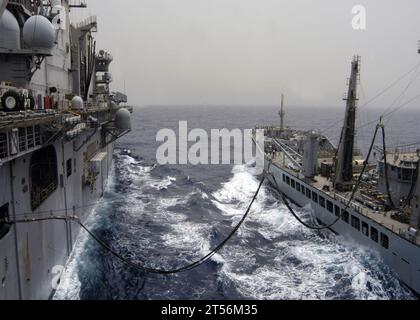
[400, 254]
[34, 254]
[58, 125]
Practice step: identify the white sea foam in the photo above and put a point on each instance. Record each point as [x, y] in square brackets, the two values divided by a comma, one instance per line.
[70, 285]
[163, 183]
[296, 263]
[304, 267]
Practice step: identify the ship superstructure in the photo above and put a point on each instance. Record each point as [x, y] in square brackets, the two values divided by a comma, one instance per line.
[373, 202]
[58, 124]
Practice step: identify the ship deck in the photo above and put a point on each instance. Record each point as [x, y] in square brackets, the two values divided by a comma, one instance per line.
[17, 119]
[26, 118]
[324, 185]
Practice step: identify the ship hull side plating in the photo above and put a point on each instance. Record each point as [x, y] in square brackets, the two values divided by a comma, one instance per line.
[402, 256]
[31, 252]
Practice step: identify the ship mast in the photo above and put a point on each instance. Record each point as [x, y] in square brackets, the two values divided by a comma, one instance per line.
[344, 167]
[282, 113]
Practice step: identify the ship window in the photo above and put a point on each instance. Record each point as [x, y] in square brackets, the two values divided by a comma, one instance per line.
[288, 180]
[308, 193]
[345, 216]
[30, 137]
[22, 139]
[68, 168]
[314, 197]
[284, 177]
[44, 180]
[355, 222]
[384, 241]
[298, 186]
[374, 235]
[292, 183]
[330, 206]
[337, 211]
[4, 219]
[365, 229]
[37, 135]
[322, 201]
[302, 189]
[3, 145]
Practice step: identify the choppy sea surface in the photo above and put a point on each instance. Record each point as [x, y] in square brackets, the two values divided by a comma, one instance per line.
[165, 216]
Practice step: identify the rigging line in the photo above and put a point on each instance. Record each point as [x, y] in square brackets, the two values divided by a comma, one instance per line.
[401, 106]
[356, 187]
[376, 96]
[387, 115]
[364, 98]
[388, 190]
[148, 269]
[408, 144]
[412, 187]
[392, 85]
[403, 92]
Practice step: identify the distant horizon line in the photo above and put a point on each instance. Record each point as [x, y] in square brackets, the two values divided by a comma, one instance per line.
[256, 106]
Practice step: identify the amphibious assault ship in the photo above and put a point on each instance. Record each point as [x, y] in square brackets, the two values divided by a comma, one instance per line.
[58, 125]
[373, 202]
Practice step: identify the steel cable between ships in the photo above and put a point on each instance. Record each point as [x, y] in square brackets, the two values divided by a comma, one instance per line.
[199, 262]
[140, 266]
[356, 187]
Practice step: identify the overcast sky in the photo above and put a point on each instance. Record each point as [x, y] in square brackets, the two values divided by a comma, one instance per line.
[247, 52]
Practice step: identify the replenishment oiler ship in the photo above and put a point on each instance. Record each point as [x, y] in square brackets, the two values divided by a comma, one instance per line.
[372, 201]
[58, 125]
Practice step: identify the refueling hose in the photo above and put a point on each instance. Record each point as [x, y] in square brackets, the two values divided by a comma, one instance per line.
[140, 266]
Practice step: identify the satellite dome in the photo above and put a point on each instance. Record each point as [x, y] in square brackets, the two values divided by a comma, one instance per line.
[38, 32]
[77, 103]
[9, 31]
[123, 119]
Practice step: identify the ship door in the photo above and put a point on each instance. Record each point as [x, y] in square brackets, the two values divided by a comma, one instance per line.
[44, 180]
[4, 219]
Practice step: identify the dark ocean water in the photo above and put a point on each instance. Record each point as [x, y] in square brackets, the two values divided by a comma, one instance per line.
[167, 216]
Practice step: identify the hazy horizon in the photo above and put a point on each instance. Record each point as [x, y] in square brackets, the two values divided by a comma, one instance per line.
[248, 52]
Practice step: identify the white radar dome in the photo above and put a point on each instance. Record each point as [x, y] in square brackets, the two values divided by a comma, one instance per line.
[9, 31]
[123, 119]
[77, 103]
[38, 32]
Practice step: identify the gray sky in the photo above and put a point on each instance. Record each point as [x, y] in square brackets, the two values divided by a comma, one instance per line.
[247, 52]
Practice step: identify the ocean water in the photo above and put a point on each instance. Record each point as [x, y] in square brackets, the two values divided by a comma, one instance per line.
[168, 216]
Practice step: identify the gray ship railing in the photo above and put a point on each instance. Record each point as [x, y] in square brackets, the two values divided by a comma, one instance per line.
[39, 195]
[402, 233]
[17, 141]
